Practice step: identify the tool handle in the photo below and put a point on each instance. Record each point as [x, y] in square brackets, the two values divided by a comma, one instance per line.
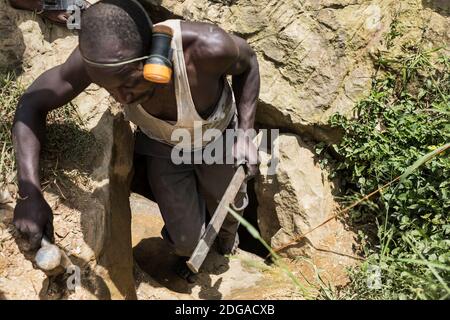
[196, 260]
[210, 234]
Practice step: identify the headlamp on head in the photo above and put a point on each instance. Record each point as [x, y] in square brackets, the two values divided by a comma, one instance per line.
[158, 66]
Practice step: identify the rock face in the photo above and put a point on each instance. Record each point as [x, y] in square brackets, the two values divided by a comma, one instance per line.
[92, 216]
[298, 191]
[316, 56]
[296, 197]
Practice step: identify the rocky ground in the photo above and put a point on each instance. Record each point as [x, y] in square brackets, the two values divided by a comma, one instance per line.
[242, 276]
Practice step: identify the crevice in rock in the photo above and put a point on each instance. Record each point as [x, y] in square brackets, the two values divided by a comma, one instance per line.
[267, 115]
[247, 36]
[440, 6]
[277, 64]
[336, 6]
[247, 241]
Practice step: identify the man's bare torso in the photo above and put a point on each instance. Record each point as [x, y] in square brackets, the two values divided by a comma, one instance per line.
[205, 88]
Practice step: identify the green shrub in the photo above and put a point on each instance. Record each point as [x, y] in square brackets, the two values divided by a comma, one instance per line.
[405, 229]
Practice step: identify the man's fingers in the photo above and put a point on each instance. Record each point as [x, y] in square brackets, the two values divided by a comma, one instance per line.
[31, 233]
[22, 226]
[49, 231]
[35, 239]
[17, 224]
[252, 171]
[253, 158]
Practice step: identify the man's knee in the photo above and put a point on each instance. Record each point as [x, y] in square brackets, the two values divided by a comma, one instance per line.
[183, 251]
[183, 244]
[184, 248]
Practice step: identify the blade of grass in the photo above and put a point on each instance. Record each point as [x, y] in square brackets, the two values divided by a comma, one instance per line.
[276, 259]
[421, 262]
[2, 159]
[423, 160]
[432, 269]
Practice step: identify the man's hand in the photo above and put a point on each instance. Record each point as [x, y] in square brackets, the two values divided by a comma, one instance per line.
[34, 218]
[245, 152]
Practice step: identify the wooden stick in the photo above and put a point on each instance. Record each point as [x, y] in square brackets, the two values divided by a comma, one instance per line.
[206, 241]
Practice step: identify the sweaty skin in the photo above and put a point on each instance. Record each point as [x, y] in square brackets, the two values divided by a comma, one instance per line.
[210, 53]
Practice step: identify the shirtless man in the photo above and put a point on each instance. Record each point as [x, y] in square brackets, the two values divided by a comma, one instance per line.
[113, 32]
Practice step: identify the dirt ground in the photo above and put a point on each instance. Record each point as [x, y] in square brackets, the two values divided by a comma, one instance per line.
[242, 276]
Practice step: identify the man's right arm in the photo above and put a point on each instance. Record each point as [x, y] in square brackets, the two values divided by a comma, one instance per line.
[53, 89]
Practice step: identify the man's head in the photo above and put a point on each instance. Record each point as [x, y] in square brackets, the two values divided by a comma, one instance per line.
[115, 31]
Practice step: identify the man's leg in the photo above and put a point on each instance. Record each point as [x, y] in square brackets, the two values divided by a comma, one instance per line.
[182, 208]
[213, 181]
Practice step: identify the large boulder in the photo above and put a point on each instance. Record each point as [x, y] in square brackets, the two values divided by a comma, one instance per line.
[294, 196]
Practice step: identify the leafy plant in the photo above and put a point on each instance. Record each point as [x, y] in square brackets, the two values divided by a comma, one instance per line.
[406, 227]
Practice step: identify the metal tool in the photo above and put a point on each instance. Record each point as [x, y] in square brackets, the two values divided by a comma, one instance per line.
[210, 234]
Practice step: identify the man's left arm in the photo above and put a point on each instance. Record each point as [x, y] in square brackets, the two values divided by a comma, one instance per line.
[226, 54]
[231, 55]
[246, 82]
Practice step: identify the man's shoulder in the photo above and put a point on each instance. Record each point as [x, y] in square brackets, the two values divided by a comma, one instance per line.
[208, 42]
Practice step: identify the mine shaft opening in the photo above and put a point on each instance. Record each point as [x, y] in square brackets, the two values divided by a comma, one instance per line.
[247, 243]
